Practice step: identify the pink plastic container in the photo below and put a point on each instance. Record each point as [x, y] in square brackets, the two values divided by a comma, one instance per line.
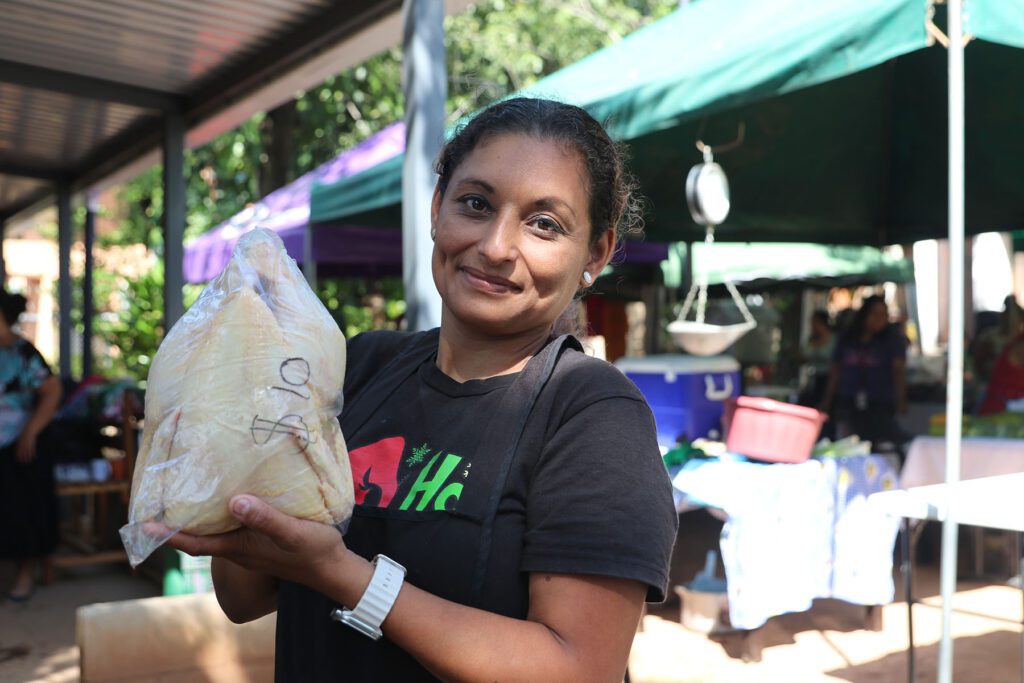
[764, 429]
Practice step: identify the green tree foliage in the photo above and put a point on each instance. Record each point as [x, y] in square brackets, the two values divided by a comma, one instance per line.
[494, 48]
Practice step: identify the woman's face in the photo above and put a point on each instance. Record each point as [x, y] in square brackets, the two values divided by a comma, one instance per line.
[877, 319]
[513, 235]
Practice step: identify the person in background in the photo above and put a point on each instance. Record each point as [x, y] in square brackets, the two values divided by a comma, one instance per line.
[816, 357]
[990, 342]
[867, 381]
[29, 397]
[1007, 380]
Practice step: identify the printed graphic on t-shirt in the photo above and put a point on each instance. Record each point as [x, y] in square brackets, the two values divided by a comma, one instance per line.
[392, 473]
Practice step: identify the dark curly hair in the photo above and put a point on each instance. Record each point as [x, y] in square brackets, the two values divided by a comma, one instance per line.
[12, 306]
[614, 204]
[860, 318]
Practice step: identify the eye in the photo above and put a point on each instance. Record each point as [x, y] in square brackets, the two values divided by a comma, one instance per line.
[475, 203]
[548, 225]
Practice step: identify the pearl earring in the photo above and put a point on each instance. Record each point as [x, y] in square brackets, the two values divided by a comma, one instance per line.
[588, 278]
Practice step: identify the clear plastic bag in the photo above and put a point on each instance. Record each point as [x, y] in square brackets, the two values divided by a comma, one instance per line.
[242, 397]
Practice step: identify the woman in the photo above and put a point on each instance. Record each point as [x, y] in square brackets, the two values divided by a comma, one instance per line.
[867, 382]
[29, 397]
[1007, 383]
[516, 480]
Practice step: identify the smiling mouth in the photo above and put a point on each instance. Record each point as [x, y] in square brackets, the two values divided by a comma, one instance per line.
[488, 283]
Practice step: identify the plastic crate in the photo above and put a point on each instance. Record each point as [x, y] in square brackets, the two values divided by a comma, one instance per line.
[765, 429]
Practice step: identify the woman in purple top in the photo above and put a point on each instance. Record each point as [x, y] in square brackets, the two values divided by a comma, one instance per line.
[867, 382]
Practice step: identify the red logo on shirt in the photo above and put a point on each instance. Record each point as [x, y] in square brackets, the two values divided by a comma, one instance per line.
[375, 471]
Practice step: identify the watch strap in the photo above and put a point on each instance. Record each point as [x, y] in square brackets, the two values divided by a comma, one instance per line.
[378, 599]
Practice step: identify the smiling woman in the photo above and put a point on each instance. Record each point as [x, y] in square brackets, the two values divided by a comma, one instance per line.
[512, 509]
[512, 236]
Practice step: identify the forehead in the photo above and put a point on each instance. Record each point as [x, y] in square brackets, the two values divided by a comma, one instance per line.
[523, 161]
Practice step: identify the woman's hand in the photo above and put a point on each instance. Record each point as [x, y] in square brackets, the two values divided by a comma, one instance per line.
[25, 450]
[273, 543]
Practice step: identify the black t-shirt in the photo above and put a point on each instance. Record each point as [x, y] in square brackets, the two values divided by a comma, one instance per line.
[587, 493]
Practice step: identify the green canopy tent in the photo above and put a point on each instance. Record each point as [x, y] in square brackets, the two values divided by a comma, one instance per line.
[843, 107]
[768, 265]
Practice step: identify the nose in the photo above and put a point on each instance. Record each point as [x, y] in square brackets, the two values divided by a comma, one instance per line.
[499, 241]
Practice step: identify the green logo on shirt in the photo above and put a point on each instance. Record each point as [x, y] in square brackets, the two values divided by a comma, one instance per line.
[429, 485]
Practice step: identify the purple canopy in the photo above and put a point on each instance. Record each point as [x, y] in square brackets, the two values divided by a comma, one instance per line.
[336, 249]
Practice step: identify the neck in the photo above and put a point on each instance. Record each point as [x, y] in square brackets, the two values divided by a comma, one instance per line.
[7, 336]
[465, 354]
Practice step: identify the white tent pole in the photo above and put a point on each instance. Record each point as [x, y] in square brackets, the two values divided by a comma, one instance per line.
[955, 360]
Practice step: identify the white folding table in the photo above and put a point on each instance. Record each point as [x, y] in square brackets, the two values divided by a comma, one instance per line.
[991, 502]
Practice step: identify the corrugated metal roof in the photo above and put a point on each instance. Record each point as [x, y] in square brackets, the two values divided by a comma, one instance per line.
[166, 45]
[48, 129]
[83, 82]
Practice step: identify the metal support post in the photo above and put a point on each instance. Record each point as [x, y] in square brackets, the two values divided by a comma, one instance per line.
[425, 86]
[88, 305]
[3, 265]
[64, 239]
[309, 256]
[174, 217]
[907, 569]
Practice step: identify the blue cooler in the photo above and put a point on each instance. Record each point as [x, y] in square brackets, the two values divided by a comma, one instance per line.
[686, 393]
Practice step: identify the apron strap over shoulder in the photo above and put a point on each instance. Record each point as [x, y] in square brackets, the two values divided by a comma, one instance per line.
[518, 404]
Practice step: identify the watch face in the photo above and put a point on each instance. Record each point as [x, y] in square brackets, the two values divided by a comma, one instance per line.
[707, 193]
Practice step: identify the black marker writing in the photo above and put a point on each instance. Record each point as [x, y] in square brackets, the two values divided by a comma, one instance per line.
[294, 372]
[291, 425]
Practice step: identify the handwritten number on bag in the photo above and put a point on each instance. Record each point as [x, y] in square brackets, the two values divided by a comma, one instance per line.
[295, 373]
[290, 425]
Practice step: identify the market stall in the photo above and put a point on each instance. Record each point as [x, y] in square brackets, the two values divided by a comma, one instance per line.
[796, 532]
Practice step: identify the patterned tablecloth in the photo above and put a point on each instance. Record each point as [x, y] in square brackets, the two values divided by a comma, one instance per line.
[796, 532]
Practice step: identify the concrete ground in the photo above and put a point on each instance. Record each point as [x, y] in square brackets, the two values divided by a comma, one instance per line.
[37, 638]
[826, 644]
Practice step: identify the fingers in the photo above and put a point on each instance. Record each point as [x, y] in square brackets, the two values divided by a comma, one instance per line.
[219, 545]
[259, 516]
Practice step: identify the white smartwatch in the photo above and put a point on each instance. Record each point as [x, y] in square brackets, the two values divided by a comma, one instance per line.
[376, 603]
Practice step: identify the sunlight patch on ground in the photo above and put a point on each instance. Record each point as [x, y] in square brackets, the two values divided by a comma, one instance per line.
[804, 648]
[59, 667]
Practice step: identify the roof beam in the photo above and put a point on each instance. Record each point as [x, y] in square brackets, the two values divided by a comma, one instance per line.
[33, 172]
[87, 87]
[31, 204]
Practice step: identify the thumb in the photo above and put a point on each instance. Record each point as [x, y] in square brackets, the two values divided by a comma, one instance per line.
[257, 515]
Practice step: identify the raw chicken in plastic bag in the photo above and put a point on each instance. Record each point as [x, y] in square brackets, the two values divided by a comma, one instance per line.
[242, 397]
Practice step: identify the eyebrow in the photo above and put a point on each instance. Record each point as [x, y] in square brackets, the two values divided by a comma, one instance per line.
[552, 202]
[483, 184]
[543, 202]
